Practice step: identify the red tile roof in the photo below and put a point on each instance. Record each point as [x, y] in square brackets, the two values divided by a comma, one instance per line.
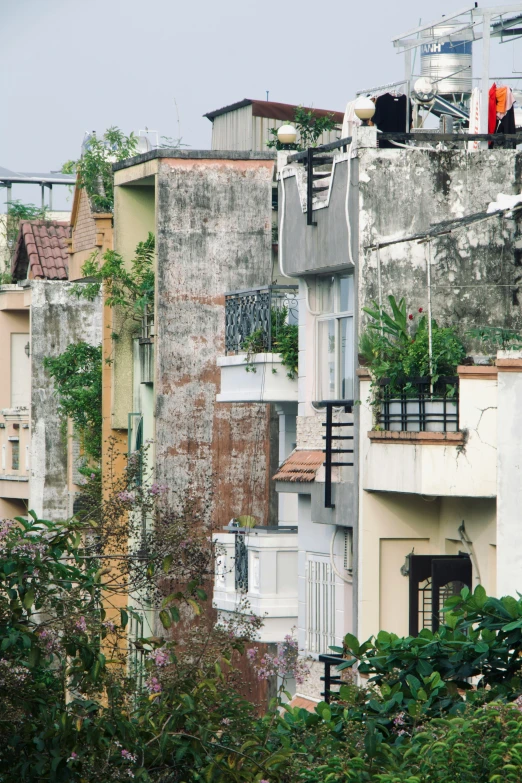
[41, 250]
[301, 465]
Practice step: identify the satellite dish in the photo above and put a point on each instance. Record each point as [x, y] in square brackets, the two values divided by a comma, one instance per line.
[424, 90]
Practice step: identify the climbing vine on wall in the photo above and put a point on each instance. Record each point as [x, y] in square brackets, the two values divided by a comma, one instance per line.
[127, 286]
[77, 376]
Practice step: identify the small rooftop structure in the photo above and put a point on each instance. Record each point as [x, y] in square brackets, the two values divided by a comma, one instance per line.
[246, 125]
[9, 178]
[41, 250]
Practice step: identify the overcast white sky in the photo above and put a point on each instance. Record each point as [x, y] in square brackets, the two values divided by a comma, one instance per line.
[67, 66]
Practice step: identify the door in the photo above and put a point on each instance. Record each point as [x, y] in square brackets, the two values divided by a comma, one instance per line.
[433, 579]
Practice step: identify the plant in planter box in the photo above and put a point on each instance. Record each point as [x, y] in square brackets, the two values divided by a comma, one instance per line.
[284, 342]
[395, 346]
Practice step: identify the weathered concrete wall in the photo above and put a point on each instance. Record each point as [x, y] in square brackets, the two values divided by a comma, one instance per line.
[57, 320]
[475, 270]
[213, 235]
[509, 465]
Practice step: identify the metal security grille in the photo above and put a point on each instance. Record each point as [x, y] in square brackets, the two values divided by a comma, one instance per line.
[421, 408]
[433, 579]
[241, 564]
[258, 312]
[320, 604]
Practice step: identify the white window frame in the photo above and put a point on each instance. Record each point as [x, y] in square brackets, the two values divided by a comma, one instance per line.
[336, 315]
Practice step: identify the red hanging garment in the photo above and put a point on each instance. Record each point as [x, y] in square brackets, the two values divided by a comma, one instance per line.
[492, 109]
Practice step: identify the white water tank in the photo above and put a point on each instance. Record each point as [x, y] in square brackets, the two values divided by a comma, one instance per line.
[448, 63]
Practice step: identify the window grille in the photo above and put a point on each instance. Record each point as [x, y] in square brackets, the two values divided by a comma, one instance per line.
[15, 455]
[320, 604]
[433, 579]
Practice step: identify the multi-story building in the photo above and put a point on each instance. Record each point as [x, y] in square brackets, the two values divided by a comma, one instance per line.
[399, 501]
[38, 318]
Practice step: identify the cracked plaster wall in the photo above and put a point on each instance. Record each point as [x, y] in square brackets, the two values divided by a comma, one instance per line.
[477, 270]
[57, 320]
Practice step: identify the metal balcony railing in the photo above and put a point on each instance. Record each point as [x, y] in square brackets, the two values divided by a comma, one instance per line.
[335, 438]
[329, 679]
[421, 407]
[258, 313]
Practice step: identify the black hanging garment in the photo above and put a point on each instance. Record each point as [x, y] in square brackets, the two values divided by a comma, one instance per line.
[390, 116]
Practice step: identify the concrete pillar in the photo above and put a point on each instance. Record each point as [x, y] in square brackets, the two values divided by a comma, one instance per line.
[509, 474]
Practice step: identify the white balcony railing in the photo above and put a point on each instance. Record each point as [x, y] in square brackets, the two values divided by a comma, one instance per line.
[260, 565]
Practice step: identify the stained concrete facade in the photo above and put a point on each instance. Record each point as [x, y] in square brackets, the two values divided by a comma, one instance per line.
[58, 319]
[212, 214]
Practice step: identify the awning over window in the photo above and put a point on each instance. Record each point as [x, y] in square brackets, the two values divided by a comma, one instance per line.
[302, 465]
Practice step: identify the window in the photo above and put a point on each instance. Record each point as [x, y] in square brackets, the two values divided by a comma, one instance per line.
[335, 344]
[15, 455]
[320, 604]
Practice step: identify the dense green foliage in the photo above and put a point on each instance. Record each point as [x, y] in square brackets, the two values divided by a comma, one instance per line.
[94, 168]
[71, 712]
[395, 345]
[310, 128]
[126, 286]
[285, 338]
[77, 376]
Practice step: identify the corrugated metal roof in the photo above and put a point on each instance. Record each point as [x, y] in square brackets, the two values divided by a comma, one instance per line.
[272, 110]
[301, 466]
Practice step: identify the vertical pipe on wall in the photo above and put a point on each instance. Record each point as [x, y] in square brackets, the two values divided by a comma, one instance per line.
[430, 343]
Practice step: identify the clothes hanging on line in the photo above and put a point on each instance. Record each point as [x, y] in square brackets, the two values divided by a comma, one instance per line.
[390, 116]
[501, 111]
[474, 117]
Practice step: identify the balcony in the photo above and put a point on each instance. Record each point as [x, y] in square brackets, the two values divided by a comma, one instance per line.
[14, 450]
[441, 444]
[260, 337]
[260, 565]
[421, 409]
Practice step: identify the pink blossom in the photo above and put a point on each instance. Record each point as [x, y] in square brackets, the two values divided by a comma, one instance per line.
[80, 624]
[251, 654]
[128, 756]
[73, 756]
[160, 657]
[226, 722]
[126, 497]
[153, 685]
[109, 625]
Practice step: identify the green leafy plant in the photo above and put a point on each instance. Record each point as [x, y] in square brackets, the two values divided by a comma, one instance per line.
[395, 346]
[94, 168]
[310, 128]
[127, 286]
[494, 337]
[77, 376]
[285, 338]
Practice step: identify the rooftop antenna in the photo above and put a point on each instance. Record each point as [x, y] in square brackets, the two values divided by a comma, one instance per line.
[267, 92]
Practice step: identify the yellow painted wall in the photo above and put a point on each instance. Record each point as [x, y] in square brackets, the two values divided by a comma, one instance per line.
[391, 525]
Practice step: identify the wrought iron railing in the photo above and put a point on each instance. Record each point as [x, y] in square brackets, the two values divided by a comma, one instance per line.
[420, 407]
[329, 679]
[241, 563]
[335, 438]
[258, 312]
